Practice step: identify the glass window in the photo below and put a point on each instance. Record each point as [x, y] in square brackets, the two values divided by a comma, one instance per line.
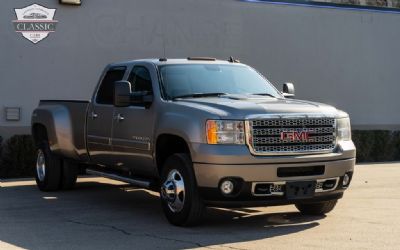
[140, 79]
[370, 3]
[106, 90]
[188, 79]
[362, 4]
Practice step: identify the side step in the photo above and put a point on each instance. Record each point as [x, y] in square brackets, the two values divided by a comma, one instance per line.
[136, 182]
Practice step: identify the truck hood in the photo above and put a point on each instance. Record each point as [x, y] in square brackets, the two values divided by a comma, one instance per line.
[243, 106]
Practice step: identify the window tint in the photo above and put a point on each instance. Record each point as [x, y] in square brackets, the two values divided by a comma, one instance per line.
[105, 93]
[140, 79]
[187, 79]
[361, 4]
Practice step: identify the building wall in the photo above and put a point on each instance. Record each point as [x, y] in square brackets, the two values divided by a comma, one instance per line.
[346, 58]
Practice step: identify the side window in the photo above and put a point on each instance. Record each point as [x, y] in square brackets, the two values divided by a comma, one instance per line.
[106, 90]
[140, 79]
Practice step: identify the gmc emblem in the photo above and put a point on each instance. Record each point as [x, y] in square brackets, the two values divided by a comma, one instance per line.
[294, 136]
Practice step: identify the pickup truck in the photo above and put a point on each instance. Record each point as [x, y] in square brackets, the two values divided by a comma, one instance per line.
[201, 132]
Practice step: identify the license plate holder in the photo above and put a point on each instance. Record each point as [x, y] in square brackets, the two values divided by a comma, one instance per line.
[300, 189]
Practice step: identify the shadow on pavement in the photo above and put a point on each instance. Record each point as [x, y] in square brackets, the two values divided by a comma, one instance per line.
[112, 216]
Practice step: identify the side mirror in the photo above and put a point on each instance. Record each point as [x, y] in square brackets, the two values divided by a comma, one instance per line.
[122, 94]
[142, 97]
[288, 90]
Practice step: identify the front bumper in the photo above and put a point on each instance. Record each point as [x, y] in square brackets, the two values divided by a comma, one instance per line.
[209, 175]
[217, 164]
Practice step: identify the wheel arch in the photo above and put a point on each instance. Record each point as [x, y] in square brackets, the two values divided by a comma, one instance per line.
[167, 145]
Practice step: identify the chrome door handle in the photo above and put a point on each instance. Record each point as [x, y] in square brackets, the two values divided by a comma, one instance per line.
[93, 115]
[120, 117]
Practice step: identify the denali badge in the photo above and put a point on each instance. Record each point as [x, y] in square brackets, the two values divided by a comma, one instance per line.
[294, 136]
[35, 22]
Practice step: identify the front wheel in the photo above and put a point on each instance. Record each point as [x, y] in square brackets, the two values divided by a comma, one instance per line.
[48, 168]
[317, 208]
[180, 199]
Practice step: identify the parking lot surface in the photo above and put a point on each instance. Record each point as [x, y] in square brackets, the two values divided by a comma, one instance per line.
[105, 214]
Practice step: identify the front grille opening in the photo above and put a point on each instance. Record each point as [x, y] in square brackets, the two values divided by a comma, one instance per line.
[292, 136]
[327, 184]
[300, 171]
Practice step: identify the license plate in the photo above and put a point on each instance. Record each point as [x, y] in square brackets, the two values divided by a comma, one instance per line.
[300, 189]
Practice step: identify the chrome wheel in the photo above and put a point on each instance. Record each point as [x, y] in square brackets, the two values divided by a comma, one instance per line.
[173, 191]
[41, 165]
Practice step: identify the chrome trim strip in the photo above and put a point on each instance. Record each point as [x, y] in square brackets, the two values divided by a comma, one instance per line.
[253, 185]
[327, 190]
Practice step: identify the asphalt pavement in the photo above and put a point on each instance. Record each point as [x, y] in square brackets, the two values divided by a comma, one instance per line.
[104, 214]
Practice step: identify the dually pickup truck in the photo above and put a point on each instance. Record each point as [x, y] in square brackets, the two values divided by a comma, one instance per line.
[202, 132]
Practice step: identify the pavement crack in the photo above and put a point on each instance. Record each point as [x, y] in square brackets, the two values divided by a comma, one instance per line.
[175, 240]
[137, 235]
[101, 225]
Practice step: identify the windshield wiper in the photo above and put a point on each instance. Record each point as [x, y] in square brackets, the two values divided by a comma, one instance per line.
[264, 94]
[194, 95]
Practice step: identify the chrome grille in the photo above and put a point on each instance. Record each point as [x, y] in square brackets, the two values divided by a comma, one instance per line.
[264, 136]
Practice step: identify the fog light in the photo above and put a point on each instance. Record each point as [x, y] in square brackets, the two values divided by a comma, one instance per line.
[346, 180]
[227, 187]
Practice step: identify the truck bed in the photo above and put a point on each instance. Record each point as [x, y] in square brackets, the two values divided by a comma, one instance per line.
[65, 121]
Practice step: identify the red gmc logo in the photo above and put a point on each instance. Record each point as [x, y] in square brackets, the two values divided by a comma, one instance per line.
[294, 136]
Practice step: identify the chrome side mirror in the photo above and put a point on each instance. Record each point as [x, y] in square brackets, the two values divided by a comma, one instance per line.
[288, 90]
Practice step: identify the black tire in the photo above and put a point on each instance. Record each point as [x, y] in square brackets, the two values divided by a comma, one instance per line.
[193, 208]
[69, 174]
[317, 208]
[50, 180]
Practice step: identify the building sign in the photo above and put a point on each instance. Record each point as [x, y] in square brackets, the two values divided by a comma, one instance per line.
[35, 22]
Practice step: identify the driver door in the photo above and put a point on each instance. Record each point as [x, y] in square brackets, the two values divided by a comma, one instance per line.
[133, 127]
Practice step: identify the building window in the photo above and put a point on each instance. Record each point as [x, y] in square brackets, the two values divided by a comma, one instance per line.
[368, 3]
[386, 5]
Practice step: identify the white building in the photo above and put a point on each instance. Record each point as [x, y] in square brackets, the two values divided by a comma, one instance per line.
[345, 57]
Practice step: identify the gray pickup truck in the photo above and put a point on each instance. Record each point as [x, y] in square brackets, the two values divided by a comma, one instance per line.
[202, 132]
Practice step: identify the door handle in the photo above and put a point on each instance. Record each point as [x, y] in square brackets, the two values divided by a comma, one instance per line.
[120, 117]
[93, 115]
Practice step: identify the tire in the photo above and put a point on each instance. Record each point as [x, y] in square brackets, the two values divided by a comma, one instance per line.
[317, 208]
[69, 174]
[48, 168]
[181, 208]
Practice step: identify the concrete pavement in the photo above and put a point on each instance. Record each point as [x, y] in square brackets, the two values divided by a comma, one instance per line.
[104, 214]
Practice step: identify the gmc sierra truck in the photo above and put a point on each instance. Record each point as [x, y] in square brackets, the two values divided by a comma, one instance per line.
[202, 132]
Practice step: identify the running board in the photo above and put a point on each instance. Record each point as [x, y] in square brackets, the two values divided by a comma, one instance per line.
[136, 182]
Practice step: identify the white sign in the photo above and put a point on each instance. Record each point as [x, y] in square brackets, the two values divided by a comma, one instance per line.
[35, 22]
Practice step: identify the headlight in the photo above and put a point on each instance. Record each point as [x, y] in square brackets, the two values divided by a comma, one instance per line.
[225, 132]
[343, 129]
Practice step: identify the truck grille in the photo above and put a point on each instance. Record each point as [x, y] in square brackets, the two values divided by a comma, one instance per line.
[291, 135]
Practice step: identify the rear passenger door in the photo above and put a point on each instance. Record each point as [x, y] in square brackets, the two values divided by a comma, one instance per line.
[100, 118]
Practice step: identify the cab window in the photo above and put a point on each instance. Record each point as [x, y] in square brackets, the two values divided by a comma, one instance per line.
[140, 80]
[106, 90]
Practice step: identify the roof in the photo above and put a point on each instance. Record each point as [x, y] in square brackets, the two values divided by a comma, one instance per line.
[157, 61]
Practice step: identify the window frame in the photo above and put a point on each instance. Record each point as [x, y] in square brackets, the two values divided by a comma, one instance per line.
[114, 68]
[151, 82]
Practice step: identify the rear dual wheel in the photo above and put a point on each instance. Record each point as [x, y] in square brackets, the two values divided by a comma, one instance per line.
[52, 172]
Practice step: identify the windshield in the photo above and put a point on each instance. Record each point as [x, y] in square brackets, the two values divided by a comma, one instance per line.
[191, 80]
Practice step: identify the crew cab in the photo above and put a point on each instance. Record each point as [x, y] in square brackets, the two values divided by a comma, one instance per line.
[200, 131]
